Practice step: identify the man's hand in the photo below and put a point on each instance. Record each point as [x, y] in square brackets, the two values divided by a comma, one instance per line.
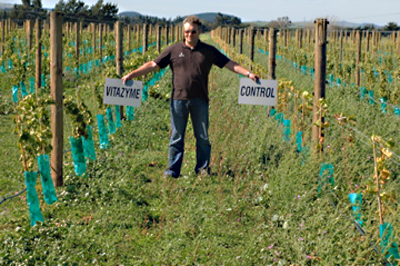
[254, 77]
[126, 78]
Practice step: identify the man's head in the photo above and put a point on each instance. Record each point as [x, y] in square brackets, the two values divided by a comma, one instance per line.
[191, 29]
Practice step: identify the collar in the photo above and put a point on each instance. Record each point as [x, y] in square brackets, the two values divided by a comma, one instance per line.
[199, 43]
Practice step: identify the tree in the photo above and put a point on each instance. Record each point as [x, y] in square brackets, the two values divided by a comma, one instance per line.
[391, 26]
[28, 10]
[281, 23]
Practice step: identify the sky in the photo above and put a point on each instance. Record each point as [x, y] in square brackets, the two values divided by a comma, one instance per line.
[358, 11]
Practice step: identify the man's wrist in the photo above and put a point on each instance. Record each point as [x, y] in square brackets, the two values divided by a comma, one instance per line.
[248, 74]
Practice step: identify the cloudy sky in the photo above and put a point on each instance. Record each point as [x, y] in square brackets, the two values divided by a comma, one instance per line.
[372, 11]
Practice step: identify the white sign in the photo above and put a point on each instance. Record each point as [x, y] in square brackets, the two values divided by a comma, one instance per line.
[263, 93]
[117, 93]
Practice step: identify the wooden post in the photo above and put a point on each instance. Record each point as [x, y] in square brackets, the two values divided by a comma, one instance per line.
[93, 25]
[118, 50]
[129, 38]
[233, 37]
[171, 30]
[29, 33]
[145, 37]
[320, 75]
[38, 62]
[300, 38]
[341, 46]
[271, 59]
[368, 41]
[56, 92]
[3, 36]
[77, 43]
[138, 33]
[241, 33]
[158, 28]
[166, 35]
[67, 27]
[398, 42]
[119, 56]
[252, 35]
[358, 58]
[101, 42]
[177, 36]
[285, 40]
[272, 53]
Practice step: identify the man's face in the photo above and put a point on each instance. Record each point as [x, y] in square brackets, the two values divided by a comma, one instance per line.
[192, 33]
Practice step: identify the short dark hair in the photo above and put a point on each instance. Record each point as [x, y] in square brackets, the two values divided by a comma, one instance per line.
[192, 20]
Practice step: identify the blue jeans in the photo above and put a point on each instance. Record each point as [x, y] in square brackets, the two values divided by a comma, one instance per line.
[180, 110]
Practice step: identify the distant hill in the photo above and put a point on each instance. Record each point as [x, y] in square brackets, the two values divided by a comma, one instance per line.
[132, 14]
[208, 16]
[6, 6]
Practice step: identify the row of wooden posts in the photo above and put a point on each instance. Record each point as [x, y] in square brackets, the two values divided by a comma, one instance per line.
[373, 38]
[169, 34]
[228, 35]
[56, 28]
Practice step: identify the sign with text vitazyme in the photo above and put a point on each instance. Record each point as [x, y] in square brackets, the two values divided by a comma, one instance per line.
[117, 93]
[263, 93]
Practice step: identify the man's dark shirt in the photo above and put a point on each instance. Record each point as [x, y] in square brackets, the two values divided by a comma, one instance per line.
[190, 68]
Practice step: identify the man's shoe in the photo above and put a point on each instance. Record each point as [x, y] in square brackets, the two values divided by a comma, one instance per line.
[204, 172]
[168, 173]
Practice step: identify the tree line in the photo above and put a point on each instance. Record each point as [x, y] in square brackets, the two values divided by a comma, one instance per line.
[105, 12]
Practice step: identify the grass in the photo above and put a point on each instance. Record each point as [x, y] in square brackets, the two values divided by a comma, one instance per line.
[261, 206]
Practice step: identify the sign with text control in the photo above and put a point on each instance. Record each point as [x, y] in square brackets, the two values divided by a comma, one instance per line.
[263, 93]
[117, 93]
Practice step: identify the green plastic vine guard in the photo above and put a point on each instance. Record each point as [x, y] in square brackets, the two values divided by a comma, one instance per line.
[145, 93]
[88, 145]
[331, 80]
[280, 117]
[363, 91]
[356, 203]
[32, 84]
[43, 80]
[10, 64]
[111, 125]
[287, 123]
[325, 176]
[15, 93]
[118, 123]
[386, 230]
[78, 155]
[273, 112]
[396, 110]
[32, 198]
[24, 92]
[299, 141]
[130, 113]
[371, 97]
[383, 104]
[103, 136]
[49, 192]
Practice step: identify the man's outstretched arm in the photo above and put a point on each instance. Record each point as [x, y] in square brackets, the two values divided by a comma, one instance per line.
[235, 67]
[143, 70]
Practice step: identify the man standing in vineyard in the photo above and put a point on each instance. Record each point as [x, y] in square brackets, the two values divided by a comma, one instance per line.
[190, 62]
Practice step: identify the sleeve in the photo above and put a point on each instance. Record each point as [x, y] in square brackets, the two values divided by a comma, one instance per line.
[220, 59]
[163, 59]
